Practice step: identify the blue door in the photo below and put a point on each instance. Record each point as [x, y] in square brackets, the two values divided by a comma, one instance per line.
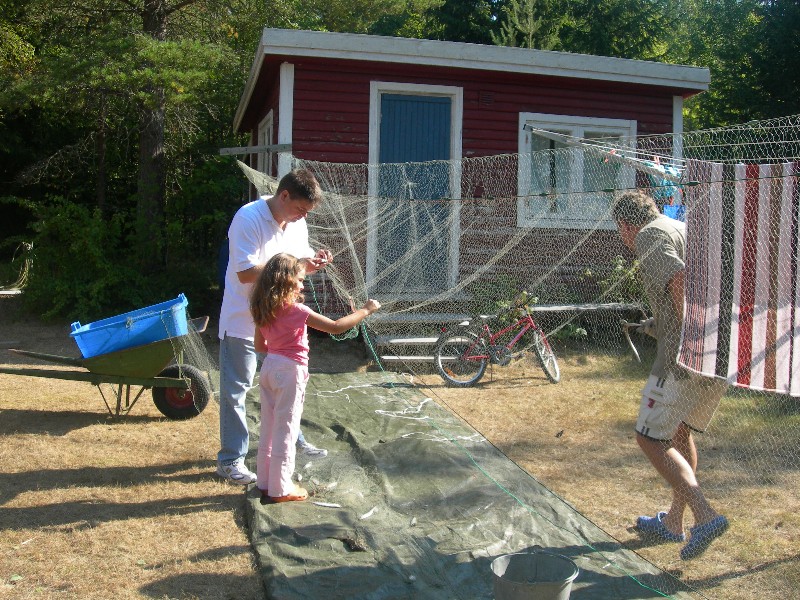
[413, 240]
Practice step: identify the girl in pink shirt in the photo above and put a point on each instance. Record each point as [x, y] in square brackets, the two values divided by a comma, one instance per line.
[281, 319]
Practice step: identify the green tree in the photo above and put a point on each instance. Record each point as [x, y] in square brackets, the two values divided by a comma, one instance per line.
[464, 20]
[349, 16]
[530, 24]
[726, 37]
[407, 20]
[103, 63]
[15, 53]
[75, 124]
[624, 28]
[777, 64]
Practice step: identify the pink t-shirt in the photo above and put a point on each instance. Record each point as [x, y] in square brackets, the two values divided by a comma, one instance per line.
[288, 334]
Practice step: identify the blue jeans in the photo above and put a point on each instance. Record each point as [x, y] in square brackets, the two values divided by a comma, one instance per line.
[237, 367]
[301, 439]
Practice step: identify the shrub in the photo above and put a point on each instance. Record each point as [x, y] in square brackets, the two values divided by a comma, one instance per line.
[621, 283]
[80, 268]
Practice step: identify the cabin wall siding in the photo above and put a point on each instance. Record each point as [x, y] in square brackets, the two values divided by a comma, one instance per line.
[331, 105]
[331, 124]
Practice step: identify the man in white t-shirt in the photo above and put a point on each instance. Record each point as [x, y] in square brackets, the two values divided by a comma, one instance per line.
[258, 231]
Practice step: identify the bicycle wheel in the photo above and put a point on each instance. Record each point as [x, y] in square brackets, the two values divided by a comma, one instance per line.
[460, 358]
[546, 356]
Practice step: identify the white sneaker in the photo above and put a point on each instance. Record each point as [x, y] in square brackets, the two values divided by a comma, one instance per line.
[236, 472]
[311, 450]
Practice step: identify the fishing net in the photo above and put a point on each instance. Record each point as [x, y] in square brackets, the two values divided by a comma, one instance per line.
[440, 242]
[22, 260]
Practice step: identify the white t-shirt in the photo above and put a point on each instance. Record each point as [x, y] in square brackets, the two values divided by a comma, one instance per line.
[253, 238]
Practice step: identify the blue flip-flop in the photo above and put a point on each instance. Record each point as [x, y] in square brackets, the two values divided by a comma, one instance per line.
[702, 536]
[654, 526]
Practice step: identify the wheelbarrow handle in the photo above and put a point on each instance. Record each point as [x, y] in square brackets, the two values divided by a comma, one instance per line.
[53, 358]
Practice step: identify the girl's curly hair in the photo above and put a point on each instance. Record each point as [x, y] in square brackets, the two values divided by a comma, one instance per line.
[275, 288]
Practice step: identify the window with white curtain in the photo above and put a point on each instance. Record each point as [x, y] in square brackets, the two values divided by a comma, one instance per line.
[566, 180]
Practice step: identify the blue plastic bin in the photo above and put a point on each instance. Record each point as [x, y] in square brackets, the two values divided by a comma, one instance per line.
[135, 328]
[675, 211]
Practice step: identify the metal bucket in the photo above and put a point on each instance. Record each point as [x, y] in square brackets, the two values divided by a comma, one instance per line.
[535, 575]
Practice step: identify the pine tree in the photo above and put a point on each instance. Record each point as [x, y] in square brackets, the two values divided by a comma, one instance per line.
[530, 24]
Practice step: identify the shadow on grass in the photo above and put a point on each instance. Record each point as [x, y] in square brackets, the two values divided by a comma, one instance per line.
[14, 484]
[62, 422]
[711, 582]
[496, 381]
[87, 514]
[204, 585]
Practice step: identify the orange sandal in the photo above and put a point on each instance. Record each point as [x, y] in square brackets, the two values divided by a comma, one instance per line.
[298, 495]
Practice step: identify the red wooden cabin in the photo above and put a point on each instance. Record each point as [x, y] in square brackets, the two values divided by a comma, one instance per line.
[350, 98]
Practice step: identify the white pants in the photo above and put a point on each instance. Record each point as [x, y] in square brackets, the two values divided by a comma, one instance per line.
[282, 389]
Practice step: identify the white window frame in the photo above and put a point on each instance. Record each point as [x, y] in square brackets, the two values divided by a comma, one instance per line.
[529, 209]
[266, 134]
[285, 117]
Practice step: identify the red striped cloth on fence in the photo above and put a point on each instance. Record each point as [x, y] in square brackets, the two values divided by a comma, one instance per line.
[742, 319]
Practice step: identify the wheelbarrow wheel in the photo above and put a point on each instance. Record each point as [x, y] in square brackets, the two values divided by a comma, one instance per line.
[180, 404]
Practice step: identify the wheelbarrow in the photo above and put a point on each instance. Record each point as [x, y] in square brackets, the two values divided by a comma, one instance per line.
[180, 391]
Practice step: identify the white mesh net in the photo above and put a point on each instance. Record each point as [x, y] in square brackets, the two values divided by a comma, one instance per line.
[440, 242]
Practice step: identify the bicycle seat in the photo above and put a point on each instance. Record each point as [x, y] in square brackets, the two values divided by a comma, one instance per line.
[486, 317]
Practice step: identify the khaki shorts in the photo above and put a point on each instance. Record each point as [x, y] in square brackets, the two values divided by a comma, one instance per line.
[668, 402]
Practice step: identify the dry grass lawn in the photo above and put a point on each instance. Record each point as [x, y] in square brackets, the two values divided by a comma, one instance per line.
[577, 438]
[95, 507]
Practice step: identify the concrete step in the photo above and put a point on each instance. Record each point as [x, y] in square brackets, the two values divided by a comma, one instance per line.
[403, 340]
[422, 318]
[409, 337]
[393, 358]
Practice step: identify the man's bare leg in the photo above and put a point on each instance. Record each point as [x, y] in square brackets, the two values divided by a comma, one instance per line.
[674, 467]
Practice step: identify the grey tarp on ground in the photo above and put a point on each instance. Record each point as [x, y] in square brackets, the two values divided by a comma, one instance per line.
[426, 503]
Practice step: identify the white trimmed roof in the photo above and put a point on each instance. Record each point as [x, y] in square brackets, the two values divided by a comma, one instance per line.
[352, 46]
